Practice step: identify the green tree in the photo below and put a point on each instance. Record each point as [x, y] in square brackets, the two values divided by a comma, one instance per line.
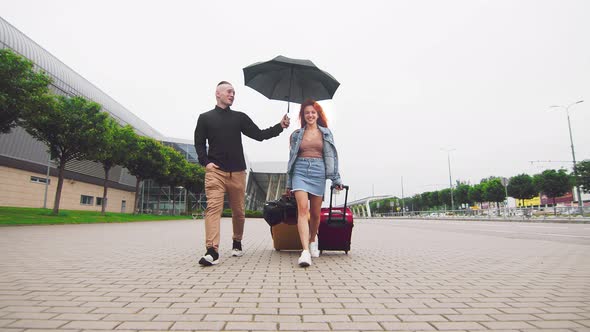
[414, 203]
[553, 184]
[583, 180]
[114, 148]
[476, 193]
[21, 88]
[70, 127]
[146, 162]
[445, 197]
[425, 200]
[194, 182]
[494, 191]
[461, 194]
[434, 199]
[177, 172]
[522, 187]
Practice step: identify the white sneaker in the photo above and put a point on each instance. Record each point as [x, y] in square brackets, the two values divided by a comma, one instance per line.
[237, 249]
[313, 249]
[304, 259]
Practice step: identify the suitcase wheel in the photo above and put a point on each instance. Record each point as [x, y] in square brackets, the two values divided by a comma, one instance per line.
[321, 252]
[346, 252]
[277, 249]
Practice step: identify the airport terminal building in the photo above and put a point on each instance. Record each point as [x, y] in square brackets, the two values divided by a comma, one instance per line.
[29, 179]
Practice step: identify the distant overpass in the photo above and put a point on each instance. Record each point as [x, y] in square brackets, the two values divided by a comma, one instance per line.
[362, 208]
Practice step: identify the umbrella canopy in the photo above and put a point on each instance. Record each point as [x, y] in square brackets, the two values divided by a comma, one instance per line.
[291, 80]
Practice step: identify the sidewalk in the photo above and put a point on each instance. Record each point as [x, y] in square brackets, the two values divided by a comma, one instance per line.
[145, 277]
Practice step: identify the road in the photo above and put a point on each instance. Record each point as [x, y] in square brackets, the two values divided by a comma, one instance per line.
[411, 275]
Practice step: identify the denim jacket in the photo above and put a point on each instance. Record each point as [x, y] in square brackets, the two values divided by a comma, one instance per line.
[329, 153]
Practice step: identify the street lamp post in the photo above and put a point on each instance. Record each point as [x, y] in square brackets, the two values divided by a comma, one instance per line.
[450, 178]
[403, 205]
[505, 182]
[578, 191]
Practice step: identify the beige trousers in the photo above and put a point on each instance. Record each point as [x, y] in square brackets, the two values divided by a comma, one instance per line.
[217, 183]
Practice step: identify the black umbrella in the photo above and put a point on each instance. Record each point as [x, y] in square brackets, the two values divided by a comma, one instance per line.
[291, 80]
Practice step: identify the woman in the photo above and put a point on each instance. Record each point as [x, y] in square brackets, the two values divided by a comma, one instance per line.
[312, 160]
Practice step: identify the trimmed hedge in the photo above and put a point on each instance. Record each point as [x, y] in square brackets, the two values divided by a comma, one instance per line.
[249, 213]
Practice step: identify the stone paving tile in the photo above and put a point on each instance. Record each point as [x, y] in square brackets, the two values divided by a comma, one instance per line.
[278, 318]
[253, 326]
[256, 311]
[514, 317]
[325, 318]
[549, 330]
[91, 325]
[556, 324]
[304, 326]
[145, 325]
[522, 310]
[458, 326]
[379, 311]
[578, 310]
[507, 325]
[8, 309]
[16, 330]
[469, 318]
[37, 323]
[30, 315]
[115, 310]
[49, 330]
[208, 310]
[145, 277]
[177, 318]
[374, 318]
[295, 311]
[228, 318]
[389, 326]
[422, 318]
[361, 326]
[6, 322]
[198, 326]
[562, 316]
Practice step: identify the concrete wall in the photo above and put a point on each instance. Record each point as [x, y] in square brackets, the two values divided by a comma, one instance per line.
[17, 189]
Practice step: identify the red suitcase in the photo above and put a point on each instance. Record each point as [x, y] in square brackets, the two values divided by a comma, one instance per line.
[336, 224]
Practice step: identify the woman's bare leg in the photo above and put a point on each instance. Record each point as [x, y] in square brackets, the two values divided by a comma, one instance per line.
[302, 222]
[314, 220]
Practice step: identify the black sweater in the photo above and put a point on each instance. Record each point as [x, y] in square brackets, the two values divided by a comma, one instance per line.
[223, 129]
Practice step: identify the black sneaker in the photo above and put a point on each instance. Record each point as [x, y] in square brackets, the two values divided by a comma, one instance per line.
[236, 250]
[211, 257]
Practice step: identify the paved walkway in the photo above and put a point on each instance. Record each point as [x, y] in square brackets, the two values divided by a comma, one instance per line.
[145, 277]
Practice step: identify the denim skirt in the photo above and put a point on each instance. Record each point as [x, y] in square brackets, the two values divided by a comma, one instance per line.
[309, 175]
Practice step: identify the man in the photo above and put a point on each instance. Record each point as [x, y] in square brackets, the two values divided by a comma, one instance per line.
[225, 166]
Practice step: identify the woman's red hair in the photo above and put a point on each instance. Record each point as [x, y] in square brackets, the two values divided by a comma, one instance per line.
[322, 120]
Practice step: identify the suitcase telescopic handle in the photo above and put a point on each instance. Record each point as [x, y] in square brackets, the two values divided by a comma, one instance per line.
[332, 187]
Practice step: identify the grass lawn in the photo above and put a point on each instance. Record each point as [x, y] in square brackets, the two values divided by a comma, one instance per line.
[34, 216]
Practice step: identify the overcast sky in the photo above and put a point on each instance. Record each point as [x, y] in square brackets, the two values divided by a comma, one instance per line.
[416, 77]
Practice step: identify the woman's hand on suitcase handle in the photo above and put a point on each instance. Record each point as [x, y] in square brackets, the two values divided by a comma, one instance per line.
[338, 186]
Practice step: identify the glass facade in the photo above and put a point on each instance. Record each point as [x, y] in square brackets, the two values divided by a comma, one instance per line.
[161, 199]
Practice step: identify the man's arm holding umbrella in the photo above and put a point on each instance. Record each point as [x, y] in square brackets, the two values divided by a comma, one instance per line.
[250, 129]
